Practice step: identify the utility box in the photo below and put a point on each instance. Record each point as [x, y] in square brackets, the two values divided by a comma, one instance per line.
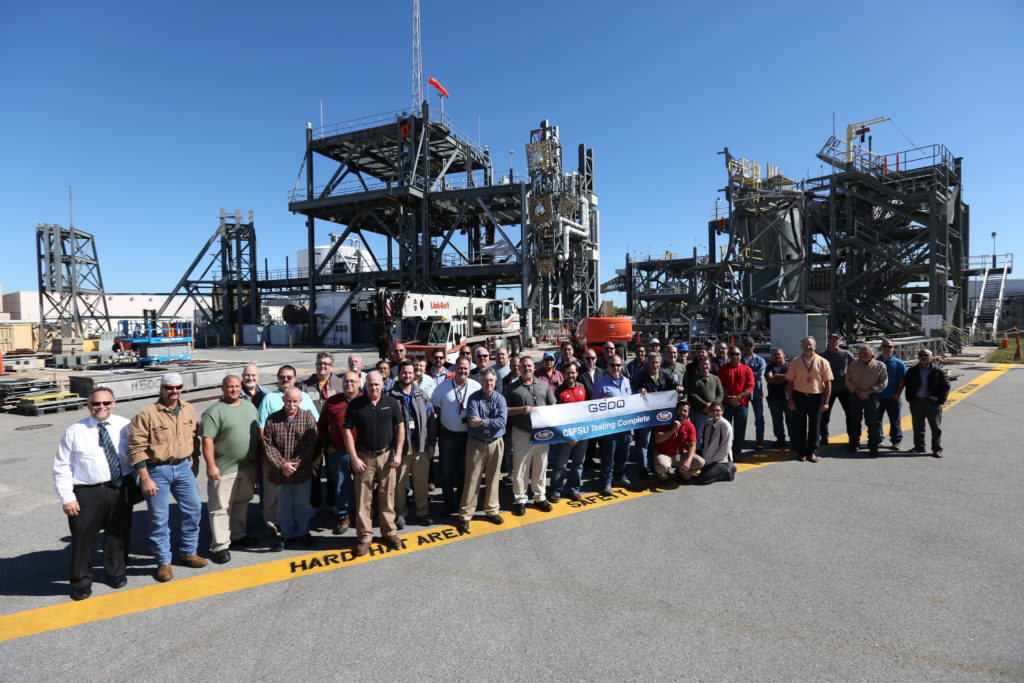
[789, 328]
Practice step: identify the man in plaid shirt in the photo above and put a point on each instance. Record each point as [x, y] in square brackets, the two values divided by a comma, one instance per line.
[290, 443]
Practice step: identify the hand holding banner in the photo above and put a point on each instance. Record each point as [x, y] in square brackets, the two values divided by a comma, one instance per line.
[601, 417]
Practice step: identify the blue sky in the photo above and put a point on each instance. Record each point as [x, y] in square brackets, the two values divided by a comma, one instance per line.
[160, 115]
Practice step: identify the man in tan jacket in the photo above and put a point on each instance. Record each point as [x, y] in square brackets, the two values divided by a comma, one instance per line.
[163, 446]
[865, 378]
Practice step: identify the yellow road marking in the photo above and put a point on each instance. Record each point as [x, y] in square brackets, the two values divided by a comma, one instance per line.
[120, 603]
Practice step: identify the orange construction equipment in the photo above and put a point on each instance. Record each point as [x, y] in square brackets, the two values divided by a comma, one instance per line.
[598, 330]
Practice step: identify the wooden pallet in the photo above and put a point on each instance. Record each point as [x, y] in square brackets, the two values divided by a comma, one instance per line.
[55, 406]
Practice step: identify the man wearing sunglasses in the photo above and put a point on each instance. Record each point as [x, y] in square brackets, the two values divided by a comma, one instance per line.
[438, 369]
[92, 474]
[164, 448]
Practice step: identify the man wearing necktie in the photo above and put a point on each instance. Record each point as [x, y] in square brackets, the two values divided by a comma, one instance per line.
[91, 473]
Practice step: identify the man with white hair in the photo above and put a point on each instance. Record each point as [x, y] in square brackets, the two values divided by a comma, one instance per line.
[355, 364]
[291, 443]
[252, 390]
[163, 445]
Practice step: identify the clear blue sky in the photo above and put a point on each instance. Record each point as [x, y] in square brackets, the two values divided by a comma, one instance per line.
[161, 114]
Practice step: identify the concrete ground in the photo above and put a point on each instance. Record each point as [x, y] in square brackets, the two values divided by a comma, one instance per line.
[901, 568]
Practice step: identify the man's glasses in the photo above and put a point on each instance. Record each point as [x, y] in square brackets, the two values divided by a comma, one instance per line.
[589, 357]
[615, 365]
[101, 403]
[172, 387]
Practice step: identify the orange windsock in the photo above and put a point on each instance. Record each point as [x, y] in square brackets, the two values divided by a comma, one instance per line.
[440, 88]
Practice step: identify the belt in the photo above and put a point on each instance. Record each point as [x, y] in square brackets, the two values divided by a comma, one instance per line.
[106, 484]
[379, 451]
[150, 463]
[477, 438]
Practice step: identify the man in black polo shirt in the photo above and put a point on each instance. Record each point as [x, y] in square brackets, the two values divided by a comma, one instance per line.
[376, 448]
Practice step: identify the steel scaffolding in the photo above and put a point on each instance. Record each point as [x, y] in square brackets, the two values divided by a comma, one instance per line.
[449, 222]
[70, 283]
[876, 243]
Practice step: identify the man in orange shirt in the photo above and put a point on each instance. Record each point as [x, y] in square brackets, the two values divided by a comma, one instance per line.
[810, 383]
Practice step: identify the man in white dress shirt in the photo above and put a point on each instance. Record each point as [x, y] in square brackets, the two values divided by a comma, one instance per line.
[92, 475]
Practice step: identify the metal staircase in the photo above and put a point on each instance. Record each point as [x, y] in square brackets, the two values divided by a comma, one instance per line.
[989, 305]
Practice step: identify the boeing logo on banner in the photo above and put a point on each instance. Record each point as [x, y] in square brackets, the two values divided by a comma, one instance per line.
[543, 435]
[664, 415]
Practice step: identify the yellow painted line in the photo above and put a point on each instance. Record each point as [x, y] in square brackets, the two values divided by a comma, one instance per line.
[120, 603]
[955, 396]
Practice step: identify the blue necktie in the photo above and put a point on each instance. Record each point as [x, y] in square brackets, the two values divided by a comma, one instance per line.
[112, 459]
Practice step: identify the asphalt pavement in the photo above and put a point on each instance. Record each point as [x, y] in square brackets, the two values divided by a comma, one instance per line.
[901, 568]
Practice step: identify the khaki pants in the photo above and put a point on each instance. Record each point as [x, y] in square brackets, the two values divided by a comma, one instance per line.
[268, 498]
[418, 465]
[229, 506]
[482, 458]
[662, 463]
[380, 473]
[527, 457]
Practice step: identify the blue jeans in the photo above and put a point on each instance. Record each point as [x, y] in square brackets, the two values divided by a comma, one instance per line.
[782, 418]
[293, 509]
[178, 480]
[758, 405]
[737, 416]
[339, 464]
[699, 420]
[890, 407]
[643, 450]
[452, 460]
[563, 455]
[614, 449]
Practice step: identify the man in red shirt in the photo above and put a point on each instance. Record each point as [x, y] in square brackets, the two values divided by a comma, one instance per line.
[677, 447]
[339, 462]
[568, 457]
[738, 381]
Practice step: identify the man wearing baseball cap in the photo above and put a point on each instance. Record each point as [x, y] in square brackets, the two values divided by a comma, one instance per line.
[164, 448]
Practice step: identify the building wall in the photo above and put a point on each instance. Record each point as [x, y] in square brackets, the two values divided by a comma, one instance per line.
[127, 306]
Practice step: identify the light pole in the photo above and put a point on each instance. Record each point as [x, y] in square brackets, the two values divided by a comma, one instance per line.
[993, 251]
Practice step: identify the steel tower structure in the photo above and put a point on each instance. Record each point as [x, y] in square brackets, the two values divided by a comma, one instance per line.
[449, 223]
[70, 282]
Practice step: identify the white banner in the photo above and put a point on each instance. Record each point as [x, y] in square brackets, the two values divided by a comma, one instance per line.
[602, 416]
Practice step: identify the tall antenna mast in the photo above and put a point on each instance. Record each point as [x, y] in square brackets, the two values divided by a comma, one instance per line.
[417, 59]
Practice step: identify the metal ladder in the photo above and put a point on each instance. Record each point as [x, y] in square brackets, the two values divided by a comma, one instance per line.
[989, 306]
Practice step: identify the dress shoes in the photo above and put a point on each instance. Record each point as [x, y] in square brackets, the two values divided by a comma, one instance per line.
[118, 582]
[277, 546]
[802, 458]
[426, 520]
[917, 449]
[496, 519]
[342, 527]
[518, 509]
[813, 458]
[362, 547]
[578, 497]
[81, 593]
[554, 498]
[244, 542]
[220, 557]
[392, 542]
[937, 454]
[193, 561]
[462, 526]
[542, 505]
[164, 573]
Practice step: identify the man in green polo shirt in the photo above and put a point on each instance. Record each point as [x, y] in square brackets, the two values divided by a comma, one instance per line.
[228, 430]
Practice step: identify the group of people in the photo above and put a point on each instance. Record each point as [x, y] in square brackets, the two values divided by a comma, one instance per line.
[337, 439]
